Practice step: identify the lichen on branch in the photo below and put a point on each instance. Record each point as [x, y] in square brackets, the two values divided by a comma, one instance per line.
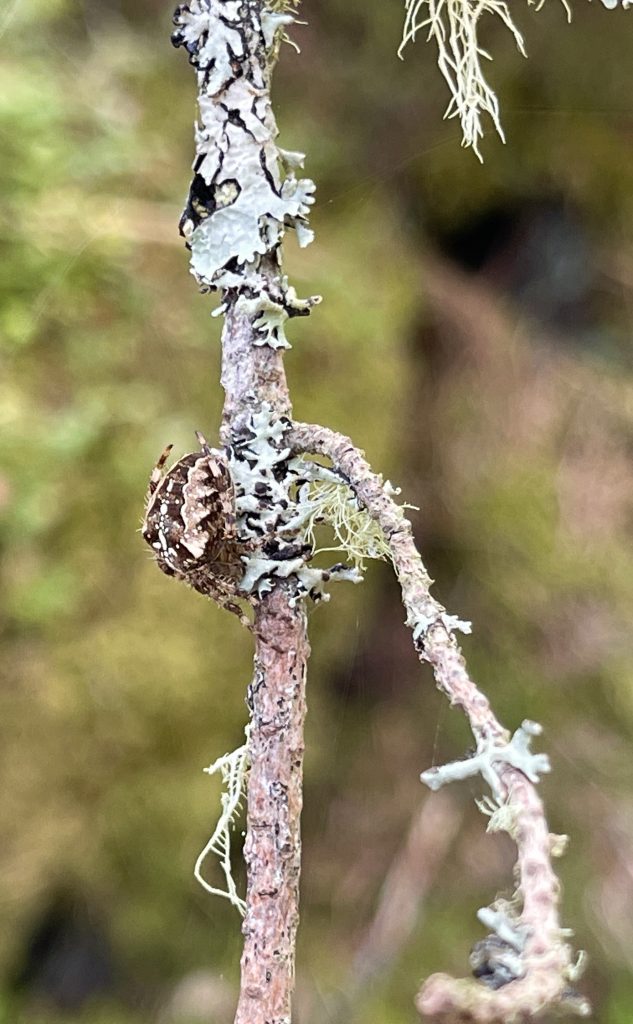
[233, 770]
[525, 966]
[245, 192]
[271, 516]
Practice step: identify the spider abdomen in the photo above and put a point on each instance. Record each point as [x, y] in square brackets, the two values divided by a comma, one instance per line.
[190, 523]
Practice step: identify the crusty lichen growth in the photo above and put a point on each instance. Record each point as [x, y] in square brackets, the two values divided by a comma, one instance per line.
[272, 518]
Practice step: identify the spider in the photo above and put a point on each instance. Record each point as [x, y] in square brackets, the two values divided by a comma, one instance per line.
[190, 524]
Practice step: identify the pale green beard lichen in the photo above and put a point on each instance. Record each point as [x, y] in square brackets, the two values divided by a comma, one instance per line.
[454, 26]
[357, 535]
[234, 768]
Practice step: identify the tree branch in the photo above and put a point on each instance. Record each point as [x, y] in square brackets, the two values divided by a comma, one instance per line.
[273, 845]
[526, 963]
[243, 196]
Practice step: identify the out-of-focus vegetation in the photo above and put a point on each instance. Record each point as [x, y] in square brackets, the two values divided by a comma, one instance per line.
[475, 339]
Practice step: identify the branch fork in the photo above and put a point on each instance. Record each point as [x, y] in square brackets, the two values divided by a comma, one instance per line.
[244, 195]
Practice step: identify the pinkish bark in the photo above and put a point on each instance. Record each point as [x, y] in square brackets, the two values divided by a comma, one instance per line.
[273, 844]
[277, 703]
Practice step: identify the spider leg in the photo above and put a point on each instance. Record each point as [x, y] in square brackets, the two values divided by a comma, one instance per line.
[157, 472]
[204, 444]
[235, 608]
[223, 597]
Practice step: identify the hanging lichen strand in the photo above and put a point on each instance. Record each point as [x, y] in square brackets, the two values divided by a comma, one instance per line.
[245, 192]
[454, 26]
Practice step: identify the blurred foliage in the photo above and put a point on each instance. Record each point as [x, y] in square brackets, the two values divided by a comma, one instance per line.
[488, 371]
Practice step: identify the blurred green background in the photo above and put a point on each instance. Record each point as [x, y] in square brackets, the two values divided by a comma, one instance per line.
[475, 339]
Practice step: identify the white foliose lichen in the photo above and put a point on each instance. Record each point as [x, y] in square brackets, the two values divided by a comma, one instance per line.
[491, 753]
[268, 482]
[269, 317]
[421, 623]
[245, 191]
[502, 919]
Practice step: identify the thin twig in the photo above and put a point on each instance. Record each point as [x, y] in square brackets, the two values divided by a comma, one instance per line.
[545, 959]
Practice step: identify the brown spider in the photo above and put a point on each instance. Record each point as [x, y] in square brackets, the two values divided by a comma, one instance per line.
[190, 525]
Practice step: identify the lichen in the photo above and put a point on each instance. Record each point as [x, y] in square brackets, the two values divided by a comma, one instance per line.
[502, 816]
[502, 921]
[245, 192]
[269, 317]
[268, 482]
[330, 502]
[454, 26]
[233, 768]
[422, 623]
[490, 753]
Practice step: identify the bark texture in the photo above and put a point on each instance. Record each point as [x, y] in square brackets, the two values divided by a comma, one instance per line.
[252, 376]
[273, 844]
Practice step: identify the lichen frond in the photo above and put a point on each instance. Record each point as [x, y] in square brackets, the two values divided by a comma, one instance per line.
[233, 767]
[491, 754]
